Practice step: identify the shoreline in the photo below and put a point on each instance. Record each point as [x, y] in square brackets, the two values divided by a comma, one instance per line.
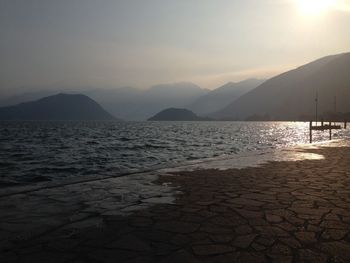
[240, 160]
[285, 211]
[36, 171]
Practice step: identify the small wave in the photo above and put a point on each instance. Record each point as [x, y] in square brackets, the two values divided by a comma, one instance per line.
[38, 179]
[143, 147]
[55, 170]
[8, 183]
[92, 142]
[154, 146]
[57, 151]
[124, 139]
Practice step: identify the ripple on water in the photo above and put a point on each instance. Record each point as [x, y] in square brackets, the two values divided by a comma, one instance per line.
[38, 151]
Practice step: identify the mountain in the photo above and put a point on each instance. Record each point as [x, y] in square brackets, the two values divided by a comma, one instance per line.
[291, 95]
[173, 114]
[136, 104]
[125, 102]
[23, 96]
[57, 107]
[223, 96]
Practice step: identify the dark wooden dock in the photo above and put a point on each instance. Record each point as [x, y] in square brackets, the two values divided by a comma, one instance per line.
[324, 127]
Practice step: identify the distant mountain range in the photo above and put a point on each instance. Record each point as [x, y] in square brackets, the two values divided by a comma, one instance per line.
[221, 97]
[127, 102]
[173, 114]
[291, 95]
[136, 104]
[288, 96]
[57, 107]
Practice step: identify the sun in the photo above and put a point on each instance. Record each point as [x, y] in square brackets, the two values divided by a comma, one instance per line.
[315, 7]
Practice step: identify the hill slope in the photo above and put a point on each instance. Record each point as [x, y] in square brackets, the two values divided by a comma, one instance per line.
[57, 107]
[173, 114]
[223, 96]
[291, 95]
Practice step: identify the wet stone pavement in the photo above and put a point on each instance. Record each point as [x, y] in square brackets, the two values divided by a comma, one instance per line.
[278, 212]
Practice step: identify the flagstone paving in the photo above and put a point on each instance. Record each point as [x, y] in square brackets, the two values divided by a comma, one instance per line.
[278, 212]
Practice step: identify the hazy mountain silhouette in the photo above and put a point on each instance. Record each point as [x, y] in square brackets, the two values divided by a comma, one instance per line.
[125, 102]
[136, 104]
[291, 95]
[173, 114]
[25, 97]
[223, 96]
[57, 107]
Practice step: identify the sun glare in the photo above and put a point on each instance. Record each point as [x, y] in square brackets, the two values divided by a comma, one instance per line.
[315, 7]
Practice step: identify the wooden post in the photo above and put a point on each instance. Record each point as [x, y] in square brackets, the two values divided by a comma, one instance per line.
[330, 131]
[344, 124]
[310, 127]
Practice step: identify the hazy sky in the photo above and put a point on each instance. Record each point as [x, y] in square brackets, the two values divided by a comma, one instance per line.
[97, 43]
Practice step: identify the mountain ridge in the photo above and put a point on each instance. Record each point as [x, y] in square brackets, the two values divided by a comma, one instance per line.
[223, 96]
[176, 114]
[291, 95]
[61, 106]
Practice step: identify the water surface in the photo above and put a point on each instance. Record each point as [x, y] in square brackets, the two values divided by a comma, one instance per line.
[33, 152]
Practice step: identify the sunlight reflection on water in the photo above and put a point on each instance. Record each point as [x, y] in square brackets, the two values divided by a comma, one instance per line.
[34, 152]
[257, 158]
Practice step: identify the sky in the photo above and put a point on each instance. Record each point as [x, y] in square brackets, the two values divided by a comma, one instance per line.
[115, 43]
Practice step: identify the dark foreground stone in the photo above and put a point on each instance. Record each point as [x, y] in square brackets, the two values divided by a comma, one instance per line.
[279, 212]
